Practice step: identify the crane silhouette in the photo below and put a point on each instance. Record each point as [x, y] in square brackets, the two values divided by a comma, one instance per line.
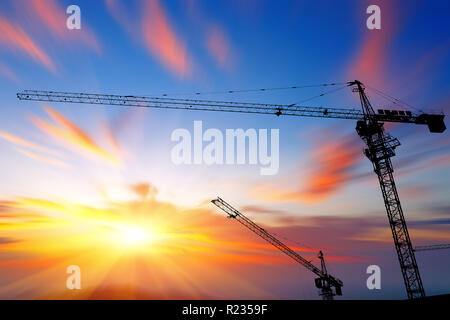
[329, 286]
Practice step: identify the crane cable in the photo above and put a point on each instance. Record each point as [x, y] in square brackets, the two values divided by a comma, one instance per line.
[392, 99]
[292, 241]
[321, 95]
[252, 90]
[314, 258]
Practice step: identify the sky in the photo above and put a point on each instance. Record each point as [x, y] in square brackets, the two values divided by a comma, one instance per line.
[95, 186]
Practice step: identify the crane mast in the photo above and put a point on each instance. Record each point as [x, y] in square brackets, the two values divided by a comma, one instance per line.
[380, 146]
[325, 282]
[380, 149]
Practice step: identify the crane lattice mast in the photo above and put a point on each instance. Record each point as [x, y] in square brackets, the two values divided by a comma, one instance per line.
[380, 146]
[380, 149]
[325, 282]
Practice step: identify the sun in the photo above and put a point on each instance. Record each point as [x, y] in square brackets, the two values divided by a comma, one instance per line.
[135, 236]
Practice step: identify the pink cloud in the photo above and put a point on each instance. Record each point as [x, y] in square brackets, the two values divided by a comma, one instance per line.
[161, 40]
[218, 46]
[14, 36]
[54, 17]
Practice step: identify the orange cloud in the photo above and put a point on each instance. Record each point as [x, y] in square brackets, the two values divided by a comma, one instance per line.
[15, 36]
[47, 160]
[144, 190]
[369, 61]
[110, 137]
[161, 40]
[51, 14]
[72, 135]
[25, 143]
[330, 168]
[333, 161]
[156, 33]
[54, 17]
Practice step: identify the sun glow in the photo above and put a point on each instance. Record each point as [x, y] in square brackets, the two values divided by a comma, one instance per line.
[135, 236]
[128, 249]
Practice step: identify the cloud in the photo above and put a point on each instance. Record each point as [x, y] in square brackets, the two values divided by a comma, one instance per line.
[26, 143]
[218, 46]
[8, 73]
[155, 32]
[428, 222]
[144, 190]
[216, 39]
[7, 240]
[330, 168]
[44, 159]
[54, 17]
[161, 40]
[15, 36]
[369, 61]
[72, 136]
[263, 210]
[438, 209]
[33, 146]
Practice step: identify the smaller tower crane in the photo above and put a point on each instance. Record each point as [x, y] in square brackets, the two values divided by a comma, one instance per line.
[325, 282]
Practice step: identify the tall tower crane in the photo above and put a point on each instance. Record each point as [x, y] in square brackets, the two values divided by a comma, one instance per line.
[380, 146]
[325, 282]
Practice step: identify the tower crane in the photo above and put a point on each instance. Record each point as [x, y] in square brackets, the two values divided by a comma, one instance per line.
[325, 282]
[380, 146]
[432, 247]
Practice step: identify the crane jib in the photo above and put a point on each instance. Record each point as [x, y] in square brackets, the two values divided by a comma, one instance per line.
[435, 122]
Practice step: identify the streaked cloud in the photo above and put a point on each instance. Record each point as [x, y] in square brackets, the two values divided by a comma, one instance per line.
[52, 15]
[7, 240]
[259, 209]
[216, 38]
[26, 143]
[330, 168]
[156, 33]
[369, 63]
[44, 159]
[219, 46]
[72, 136]
[162, 41]
[14, 36]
